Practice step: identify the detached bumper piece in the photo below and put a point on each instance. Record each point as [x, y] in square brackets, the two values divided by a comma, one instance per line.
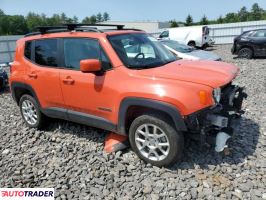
[115, 142]
[217, 124]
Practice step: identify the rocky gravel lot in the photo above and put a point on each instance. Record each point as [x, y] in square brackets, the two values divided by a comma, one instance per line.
[70, 157]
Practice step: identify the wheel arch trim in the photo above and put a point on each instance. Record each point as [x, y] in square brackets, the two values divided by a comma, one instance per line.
[167, 108]
[15, 85]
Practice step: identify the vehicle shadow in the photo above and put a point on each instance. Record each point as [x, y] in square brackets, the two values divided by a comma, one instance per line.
[254, 58]
[79, 130]
[242, 144]
[211, 48]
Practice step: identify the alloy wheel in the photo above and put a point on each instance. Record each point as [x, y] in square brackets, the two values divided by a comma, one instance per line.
[152, 142]
[29, 112]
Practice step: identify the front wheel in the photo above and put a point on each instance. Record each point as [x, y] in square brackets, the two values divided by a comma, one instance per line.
[245, 53]
[155, 141]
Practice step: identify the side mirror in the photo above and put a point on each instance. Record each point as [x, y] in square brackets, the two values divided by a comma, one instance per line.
[90, 65]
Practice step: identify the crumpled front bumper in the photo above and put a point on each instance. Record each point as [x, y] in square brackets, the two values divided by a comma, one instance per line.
[219, 119]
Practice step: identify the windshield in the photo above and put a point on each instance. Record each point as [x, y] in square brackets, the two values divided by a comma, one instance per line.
[177, 46]
[140, 51]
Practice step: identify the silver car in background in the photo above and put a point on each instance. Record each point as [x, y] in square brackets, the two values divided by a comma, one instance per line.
[189, 53]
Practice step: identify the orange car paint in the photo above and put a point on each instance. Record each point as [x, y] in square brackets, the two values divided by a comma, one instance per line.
[178, 83]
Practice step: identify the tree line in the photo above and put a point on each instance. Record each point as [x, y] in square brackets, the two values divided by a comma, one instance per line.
[20, 25]
[243, 15]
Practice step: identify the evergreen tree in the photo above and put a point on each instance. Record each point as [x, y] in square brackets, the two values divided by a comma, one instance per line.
[2, 12]
[189, 20]
[93, 19]
[220, 20]
[106, 16]
[243, 14]
[204, 20]
[173, 23]
[99, 17]
[256, 12]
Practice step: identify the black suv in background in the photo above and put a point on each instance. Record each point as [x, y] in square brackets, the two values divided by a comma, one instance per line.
[250, 44]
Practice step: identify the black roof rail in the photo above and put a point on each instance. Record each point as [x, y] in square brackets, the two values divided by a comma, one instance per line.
[44, 29]
[77, 27]
[73, 26]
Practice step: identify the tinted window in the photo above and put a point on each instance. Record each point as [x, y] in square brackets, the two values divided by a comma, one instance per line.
[79, 49]
[27, 50]
[261, 33]
[46, 52]
[164, 34]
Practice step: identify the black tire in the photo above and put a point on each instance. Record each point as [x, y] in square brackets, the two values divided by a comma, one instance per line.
[41, 118]
[192, 44]
[245, 53]
[175, 139]
[1, 84]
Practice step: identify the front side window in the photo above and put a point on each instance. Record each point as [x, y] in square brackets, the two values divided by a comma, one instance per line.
[247, 34]
[140, 51]
[164, 34]
[46, 52]
[27, 50]
[77, 49]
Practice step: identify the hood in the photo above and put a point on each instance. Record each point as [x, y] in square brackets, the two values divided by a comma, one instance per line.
[204, 55]
[210, 73]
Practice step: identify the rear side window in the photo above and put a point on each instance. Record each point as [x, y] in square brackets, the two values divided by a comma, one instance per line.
[79, 49]
[46, 52]
[27, 50]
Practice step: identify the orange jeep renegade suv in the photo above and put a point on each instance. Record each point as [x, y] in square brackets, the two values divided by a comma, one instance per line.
[126, 82]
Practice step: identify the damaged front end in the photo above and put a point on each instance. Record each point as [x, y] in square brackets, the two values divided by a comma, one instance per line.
[216, 123]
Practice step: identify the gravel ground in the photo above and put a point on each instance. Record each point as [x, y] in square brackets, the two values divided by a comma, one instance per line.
[70, 157]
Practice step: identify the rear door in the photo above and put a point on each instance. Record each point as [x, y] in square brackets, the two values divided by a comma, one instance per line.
[42, 67]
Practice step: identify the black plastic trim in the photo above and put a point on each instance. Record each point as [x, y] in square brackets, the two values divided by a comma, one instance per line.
[15, 85]
[90, 120]
[147, 103]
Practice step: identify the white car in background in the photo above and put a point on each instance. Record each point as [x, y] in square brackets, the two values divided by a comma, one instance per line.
[195, 36]
[187, 52]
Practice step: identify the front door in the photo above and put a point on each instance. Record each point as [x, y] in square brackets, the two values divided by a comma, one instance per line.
[86, 95]
[259, 40]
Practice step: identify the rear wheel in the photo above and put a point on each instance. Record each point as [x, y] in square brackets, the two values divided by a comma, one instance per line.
[245, 53]
[30, 112]
[155, 141]
[192, 44]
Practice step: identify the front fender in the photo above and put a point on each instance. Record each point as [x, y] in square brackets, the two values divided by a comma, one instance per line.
[153, 104]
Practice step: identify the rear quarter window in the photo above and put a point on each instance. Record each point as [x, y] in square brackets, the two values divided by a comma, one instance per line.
[27, 49]
[46, 52]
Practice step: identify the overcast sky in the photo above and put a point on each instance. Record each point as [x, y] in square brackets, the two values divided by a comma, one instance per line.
[130, 10]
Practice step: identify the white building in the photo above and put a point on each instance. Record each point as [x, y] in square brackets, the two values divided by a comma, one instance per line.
[148, 26]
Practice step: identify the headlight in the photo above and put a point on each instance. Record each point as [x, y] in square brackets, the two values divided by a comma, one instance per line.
[217, 95]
